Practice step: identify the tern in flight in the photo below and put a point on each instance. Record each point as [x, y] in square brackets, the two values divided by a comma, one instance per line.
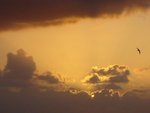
[139, 51]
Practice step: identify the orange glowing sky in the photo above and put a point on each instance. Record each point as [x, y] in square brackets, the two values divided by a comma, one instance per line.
[72, 49]
[74, 56]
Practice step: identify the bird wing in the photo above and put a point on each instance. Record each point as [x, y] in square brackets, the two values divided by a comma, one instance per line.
[139, 50]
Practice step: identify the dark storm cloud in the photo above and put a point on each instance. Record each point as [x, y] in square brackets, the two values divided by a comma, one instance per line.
[23, 13]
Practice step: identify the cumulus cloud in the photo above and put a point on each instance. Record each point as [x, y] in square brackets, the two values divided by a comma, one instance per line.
[23, 13]
[112, 73]
[19, 72]
[19, 66]
[109, 77]
[112, 70]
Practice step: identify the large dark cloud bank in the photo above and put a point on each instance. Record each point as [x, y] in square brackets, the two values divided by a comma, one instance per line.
[16, 14]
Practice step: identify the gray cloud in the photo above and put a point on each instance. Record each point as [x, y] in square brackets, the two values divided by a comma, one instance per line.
[112, 86]
[112, 70]
[19, 72]
[119, 79]
[93, 78]
[104, 101]
[15, 14]
[19, 66]
[112, 73]
[48, 77]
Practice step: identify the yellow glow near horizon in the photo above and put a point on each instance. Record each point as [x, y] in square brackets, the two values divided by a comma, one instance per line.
[72, 49]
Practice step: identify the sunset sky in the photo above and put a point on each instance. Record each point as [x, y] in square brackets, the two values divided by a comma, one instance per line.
[72, 49]
[88, 45]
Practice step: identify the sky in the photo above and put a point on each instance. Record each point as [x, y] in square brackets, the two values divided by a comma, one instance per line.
[60, 53]
[72, 49]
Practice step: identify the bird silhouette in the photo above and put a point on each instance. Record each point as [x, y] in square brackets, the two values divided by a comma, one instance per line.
[139, 51]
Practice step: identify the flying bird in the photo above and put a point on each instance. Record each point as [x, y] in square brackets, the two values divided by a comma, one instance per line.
[139, 51]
